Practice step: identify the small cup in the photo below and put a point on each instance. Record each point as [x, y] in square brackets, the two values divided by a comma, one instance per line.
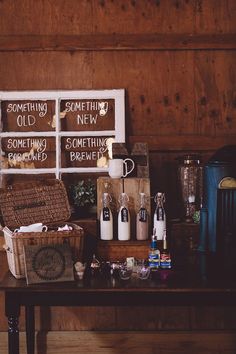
[120, 168]
[37, 227]
[125, 272]
[143, 271]
[80, 269]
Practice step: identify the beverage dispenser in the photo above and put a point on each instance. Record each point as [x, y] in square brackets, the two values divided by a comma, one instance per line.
[218, 215]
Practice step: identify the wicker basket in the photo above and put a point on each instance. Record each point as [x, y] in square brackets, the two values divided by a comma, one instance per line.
[15, 242]
[36, 202]
[46, 203]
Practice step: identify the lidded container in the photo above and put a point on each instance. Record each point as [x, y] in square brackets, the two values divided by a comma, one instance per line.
[142, 219]
[106, 218]
[190, 174]
[159, 218]
[124, 218]
[45, 202]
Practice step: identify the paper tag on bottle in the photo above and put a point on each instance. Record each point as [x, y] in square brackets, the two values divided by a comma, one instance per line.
[106, 214]
[160, 214]
[124, 215]
[143, 215]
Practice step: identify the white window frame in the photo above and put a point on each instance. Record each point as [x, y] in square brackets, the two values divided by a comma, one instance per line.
[119, 132]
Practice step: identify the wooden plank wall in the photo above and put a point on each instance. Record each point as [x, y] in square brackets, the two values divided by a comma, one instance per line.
[175, 58]
[177, 61]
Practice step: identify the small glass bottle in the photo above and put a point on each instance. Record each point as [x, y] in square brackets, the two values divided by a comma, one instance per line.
[123, 218]
[159, 220]
[165, 258]
[95, 266]
[154, 254]
[106, 219]
[142, 219]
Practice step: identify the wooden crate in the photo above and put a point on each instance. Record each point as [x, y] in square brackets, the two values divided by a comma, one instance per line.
[120, 250]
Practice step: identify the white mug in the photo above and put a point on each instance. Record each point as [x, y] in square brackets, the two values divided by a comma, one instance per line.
[38, 227]
[120, 168]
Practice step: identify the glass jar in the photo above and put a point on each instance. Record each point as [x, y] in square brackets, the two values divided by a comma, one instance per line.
[190, 173]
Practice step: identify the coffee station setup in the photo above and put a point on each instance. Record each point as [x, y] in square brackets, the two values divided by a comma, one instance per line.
[117, 176]
[133, 238]
[132, 222]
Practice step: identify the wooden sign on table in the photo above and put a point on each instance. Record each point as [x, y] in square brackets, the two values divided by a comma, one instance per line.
[48, 263]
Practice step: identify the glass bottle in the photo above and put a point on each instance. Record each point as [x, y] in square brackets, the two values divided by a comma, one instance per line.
[165, 258]
[154, 254]
[123, 218]
[159, 220]
[95, 265]
[106, 219]
[142, 219]
[190, 172]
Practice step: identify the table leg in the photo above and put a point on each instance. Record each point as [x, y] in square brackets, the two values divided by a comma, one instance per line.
[30, 329]
[12, 309]
[13, 335]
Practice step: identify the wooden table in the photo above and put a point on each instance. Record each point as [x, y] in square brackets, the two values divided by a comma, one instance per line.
[197, 280]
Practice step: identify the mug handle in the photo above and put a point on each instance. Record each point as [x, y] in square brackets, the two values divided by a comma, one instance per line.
[127, 172]
[44, 228]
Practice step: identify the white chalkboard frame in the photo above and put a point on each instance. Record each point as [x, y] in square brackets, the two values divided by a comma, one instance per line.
[119, 132]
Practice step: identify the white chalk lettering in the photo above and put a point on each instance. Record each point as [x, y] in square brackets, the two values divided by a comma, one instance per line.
[87, 118]
[39, 144]
[40, 107]
[25, 120]
[71, 106]
[74, 143]
[27, 157]
[85, 155]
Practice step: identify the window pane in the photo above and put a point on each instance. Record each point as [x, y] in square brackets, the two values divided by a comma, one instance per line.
[87, 115]
[28, 152]
[86, 151]
[28, 115]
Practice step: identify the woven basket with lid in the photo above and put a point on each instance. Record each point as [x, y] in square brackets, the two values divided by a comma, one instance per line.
[46, 203]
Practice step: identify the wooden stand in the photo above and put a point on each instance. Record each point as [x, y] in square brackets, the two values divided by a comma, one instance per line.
[120, 250]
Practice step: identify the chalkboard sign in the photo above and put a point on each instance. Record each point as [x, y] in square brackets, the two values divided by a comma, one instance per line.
[28, 152]
[84, 151]
[84, 115]
[25, 115]
[59, 131]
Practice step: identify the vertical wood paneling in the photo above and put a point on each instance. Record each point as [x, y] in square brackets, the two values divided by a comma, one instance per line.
[153, 318]
[43, 71]
[45, 17]
[169, 93]
[159, 88]
[215, 96]
[152, 16]
[215, 16]
[87, 318]
[107, 16]
[207, 318]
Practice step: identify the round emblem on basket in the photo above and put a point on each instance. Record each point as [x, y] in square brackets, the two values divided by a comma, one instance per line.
[48, 263]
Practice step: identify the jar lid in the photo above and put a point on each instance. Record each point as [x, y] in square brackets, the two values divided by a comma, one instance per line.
[190, 159]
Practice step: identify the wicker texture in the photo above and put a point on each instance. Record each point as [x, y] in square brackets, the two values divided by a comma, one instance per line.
[29, 204]
[15, 242]
[46, 203]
